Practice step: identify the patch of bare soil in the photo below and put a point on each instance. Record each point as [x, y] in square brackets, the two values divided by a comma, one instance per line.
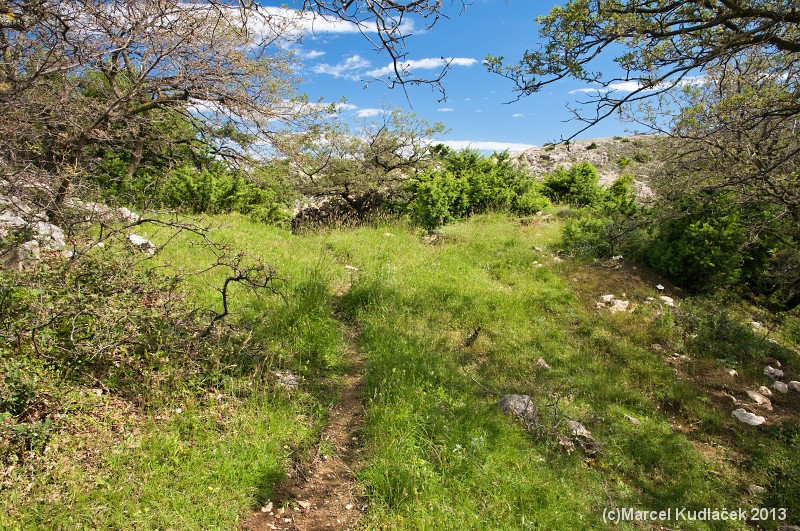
[323, 494]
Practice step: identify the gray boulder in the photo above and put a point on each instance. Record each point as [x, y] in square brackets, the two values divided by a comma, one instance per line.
[522, 407]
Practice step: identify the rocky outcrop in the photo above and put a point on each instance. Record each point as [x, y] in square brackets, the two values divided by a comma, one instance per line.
[611, 156]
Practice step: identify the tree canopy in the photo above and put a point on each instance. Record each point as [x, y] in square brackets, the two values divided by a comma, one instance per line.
[657, 44]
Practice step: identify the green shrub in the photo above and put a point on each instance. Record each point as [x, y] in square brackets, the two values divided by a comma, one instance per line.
[469, 183]
[700, 245]
[588, 237]
[578, 186]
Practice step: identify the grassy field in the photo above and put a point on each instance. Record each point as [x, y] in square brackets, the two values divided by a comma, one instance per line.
[439, 452]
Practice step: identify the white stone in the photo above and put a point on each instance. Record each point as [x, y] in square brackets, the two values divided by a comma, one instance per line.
[669, 301]
[764, 390]
[660, 287]
[773, 372]
[633, 420]
[619, 306]
[51, 237]
[780, 387]
[607, 298]
[760, 399]
[794, 385]
[143, 244]
[128, 215]
[745, 416]
[10, 221]
[733, 373]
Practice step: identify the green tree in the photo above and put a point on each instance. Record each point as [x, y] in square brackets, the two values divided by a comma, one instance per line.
[657, 45]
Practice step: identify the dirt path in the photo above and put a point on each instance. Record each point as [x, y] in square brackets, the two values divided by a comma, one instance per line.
[324, 495]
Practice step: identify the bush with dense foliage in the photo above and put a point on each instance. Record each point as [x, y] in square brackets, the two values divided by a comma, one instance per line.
[578, 186]
[466, 182]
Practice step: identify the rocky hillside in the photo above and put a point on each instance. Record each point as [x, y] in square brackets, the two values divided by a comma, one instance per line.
[611, 156]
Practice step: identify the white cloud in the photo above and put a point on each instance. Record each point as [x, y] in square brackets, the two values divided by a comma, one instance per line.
[632, 86]
[347, 68]
[368, 113]
[518, 115]
[303, 22]
[428, 63]
[485, 145]
[445, 109]
[309, 54]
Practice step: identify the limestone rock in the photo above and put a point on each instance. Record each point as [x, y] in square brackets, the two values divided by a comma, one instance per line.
[50, 236]
[764, 390]
[794, 386]
[633, 420]
[669, 301]
[745, 416]
[760, 399]
[773, 373]
[780, 387]
[521, 406]
[127, 215]
[143, 244]
[619, 306]
[584, 438]
[21, 257]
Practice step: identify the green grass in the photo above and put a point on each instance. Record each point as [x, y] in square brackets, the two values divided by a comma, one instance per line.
[439, 452]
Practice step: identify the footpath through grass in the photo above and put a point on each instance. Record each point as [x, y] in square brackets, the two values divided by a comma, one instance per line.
[439, 452]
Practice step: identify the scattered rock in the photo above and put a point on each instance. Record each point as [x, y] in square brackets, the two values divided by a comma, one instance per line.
[633, 420]
[794, 386]
[660, 287]
[613, 304]
[349, 506]
[745, 416]
[583, 437]
[128, 215]
[538, 249]
[305, 505]
[619, 306]
[733, 373]
[10, 221]
[780, 387]
[760, 399]
[267, 508]
[669, 301]
[557, 259]
[773, 372]
[757, 489]
[388, 234]
[542, 365]
[287, 379]
[521, 406]
[50, 236]
[764, 390]
[21, 257]
[351, 268]
[576, 429]
[143, 244]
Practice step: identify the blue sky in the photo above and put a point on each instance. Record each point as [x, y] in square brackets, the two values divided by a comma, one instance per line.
[477, 112]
